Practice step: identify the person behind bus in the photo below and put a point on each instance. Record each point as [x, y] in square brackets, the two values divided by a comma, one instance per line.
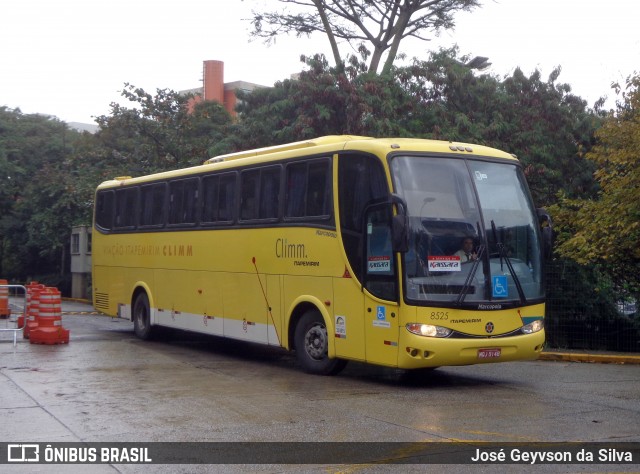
[467, 252]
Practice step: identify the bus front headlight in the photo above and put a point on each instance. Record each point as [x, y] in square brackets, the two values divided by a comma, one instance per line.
[535, 326]
[428, 330]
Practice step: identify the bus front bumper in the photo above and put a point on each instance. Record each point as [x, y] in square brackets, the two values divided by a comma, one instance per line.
[421, 352]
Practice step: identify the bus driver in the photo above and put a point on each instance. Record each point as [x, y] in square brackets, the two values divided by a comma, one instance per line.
[467, 253]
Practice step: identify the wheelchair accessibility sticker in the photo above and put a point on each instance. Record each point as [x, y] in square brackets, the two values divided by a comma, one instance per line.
[381, 316]
[500, 286]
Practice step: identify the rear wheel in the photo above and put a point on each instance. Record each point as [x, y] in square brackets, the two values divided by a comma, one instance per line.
[312, 342]
[142, 317]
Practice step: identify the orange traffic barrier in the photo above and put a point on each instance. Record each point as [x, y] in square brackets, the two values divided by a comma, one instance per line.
[25, 313]
[33, 308]
[5, 310]
[49, 329]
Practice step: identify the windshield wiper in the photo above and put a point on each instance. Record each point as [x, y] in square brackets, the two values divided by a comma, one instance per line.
[470, 276]
[505, 257]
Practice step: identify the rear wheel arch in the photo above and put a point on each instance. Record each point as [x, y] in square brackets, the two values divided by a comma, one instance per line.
[141, 313]
[141, 287]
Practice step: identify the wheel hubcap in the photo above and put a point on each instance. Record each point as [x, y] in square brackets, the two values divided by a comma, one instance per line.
[316, 342]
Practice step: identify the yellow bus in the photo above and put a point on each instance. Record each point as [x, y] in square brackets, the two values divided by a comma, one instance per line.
[404, 253]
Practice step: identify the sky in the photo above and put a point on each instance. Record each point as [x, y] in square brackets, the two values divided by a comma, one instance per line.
[71, 58]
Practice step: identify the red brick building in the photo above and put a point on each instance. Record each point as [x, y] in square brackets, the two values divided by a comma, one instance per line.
[214, 87]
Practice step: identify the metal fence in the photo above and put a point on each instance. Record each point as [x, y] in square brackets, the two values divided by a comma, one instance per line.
[584, 311]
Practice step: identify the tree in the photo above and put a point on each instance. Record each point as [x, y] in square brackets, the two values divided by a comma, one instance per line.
[379, 24]
[325, 101]
[606, 230]
[539, 120]
[444, 98]
[546, 126]
[38, 196]
[160, 132]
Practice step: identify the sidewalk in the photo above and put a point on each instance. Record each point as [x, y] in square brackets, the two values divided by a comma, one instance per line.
[591, 357]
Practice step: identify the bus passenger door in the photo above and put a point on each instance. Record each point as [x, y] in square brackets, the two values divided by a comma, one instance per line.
[380, 277]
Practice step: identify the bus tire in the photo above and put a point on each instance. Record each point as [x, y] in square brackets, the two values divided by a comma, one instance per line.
[311, 342]
[142, 317]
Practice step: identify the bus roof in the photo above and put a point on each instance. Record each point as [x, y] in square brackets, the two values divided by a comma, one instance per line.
[347, 142]
[326, 144]
[314, 142]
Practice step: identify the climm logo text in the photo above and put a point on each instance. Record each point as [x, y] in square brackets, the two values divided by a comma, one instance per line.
[285, 249]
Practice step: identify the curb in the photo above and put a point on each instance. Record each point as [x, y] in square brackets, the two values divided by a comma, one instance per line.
[77, 300]
[590, 358]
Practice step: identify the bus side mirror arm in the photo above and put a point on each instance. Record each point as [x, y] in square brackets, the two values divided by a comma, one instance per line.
[400, 225]
[546, 227]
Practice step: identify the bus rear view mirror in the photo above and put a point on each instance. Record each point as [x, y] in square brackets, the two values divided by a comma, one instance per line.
[546, 227]
[400, 239]
[400, 225]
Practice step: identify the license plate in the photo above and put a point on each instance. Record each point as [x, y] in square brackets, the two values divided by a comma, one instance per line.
[489, 353]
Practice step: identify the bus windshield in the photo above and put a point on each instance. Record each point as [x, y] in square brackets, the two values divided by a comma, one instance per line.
[473, 232]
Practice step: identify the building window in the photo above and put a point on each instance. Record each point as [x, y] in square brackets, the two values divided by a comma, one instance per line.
[75, 244]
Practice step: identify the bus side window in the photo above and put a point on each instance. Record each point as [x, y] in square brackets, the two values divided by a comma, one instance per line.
[125, 207]
[308, 189]
[270, 193]
[260, 193]
[104, 209]
[380, 277]
[361, 179]
[319, 189]
[249, 194]
[183, 196]
[296, 190]
[210, 190]
[218, 198]
[152, 205]
[227, 197]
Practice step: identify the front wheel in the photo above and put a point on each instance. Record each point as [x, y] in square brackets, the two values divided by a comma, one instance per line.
[311, 343]
[142, 317]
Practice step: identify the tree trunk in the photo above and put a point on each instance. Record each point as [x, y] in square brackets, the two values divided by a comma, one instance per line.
[376, 57]
[393, 52]
[332, 39]
[398, 32]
